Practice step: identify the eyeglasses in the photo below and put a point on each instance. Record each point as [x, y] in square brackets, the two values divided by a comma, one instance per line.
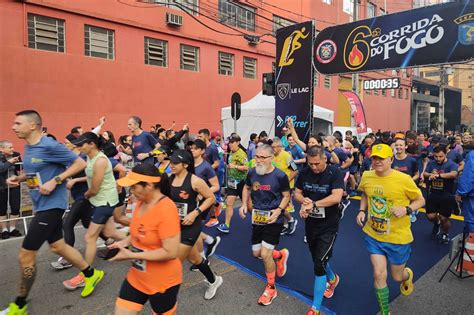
[258, 157]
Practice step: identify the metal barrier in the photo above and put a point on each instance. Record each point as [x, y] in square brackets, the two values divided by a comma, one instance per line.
[25, 226]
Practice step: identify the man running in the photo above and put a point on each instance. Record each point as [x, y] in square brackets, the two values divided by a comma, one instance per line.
[319, 189]
[143, 143]
[390, 197]
[45, 162]
[269, 190]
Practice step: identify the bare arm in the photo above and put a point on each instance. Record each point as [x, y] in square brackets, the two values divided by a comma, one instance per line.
[333, 199]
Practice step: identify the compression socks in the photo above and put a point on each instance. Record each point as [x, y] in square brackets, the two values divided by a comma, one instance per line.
[276, 254]
[318, 291]
[206, 271]
[20, 301]
[88, 272]
[330, 274]
[209, 239]
[271, 278]
[382, 298]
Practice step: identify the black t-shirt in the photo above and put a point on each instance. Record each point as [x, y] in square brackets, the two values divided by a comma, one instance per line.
[319, 186]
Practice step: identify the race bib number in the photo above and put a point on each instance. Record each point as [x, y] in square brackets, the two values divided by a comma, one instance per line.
[232, 183]
[437, 184]
[33, 181]
[138, 264]
[182, 209]
[379, 225]
[317, 213]
[260, 217]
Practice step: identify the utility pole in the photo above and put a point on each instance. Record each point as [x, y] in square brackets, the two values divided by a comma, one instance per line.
[443, 82]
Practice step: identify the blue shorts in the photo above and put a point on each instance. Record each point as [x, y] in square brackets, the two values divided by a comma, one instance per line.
[101, 214]
[397, 254]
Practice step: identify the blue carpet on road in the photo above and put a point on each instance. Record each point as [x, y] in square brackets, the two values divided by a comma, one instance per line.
[355, 293]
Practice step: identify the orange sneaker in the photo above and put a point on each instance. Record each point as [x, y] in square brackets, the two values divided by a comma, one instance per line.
[218, 210]
[329, 292]
[313, 312]
[75, 282]
[212, 222]
[281, 263]
[268, 295]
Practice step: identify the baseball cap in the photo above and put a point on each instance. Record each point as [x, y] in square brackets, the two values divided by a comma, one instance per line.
[444, 141]
[133, 178]
[181, 156]
[435, 139]
[235, 138]
[400, 136]
[198, 143]
[86, 137]
[382, 151]
[215, 133]
[70, 137]
[386, 134]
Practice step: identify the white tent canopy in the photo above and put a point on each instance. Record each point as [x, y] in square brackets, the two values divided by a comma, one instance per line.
[258, 114]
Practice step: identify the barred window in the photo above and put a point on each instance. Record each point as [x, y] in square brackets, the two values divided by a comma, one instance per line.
[369, 92]
[370, 10]
[190, 6]
[400, 93]
[99, 42]
[45, 33]
[189, 58]
[226, 64]
[238, 15]
[376, 92]
[279, 22]
[392, 92]
[384, 93]
[327, 82]
[250, 68]
[407, 93]
[156, 52]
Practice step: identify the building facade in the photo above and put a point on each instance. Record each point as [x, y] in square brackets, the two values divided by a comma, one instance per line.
[165, 61]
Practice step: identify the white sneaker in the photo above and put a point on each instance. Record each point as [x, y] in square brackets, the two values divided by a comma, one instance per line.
[61, 264]
[212, 288]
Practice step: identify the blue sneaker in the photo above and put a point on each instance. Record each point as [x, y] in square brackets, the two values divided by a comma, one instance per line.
[223, 228]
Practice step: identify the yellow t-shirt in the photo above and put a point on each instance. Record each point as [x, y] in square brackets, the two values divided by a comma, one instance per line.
[396, 189]
[282, 161]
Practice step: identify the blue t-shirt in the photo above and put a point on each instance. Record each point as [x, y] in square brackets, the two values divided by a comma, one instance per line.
[143, 143]
[42, 162]
[455, 156]
[441, 185]
[366, 165]
[205, 171]
[212, 153]
[408, 165]
[342, 157]
[266, 190]
[114, 163]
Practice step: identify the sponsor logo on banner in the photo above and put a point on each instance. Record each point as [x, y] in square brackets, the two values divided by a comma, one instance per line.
[291, 45]
[465, 29]
[285, 89]
[326, 51]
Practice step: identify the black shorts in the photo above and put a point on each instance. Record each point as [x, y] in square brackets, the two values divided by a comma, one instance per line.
[133, 299]
[442, 204]
[101, 214]
[45, 226]
[235, 192]
[269, 233]
[320, 240]
[190, 233]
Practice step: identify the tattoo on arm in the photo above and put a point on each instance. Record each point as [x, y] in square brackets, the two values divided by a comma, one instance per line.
[28, 275]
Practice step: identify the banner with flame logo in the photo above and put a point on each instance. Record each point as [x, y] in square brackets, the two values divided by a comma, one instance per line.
[294, 78]
[432, 35]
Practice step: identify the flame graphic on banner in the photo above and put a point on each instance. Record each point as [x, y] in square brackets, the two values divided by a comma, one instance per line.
[355, 56]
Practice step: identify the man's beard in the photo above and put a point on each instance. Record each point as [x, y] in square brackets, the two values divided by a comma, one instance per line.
[261, 169]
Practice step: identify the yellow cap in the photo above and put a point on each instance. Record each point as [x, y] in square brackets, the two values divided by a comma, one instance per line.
[382, 151]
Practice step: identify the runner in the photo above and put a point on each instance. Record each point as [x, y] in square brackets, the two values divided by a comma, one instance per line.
[156, 271]
[185, 188]
[269, 191]
[440, 174]
[390, 196]
[319, 189]
[45, 162]
[237, 171]
[143, 143]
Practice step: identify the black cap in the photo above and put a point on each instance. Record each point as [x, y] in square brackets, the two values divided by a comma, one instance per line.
[86, 137]
[71, 138]
[386, 134]
[234, 138]
[435, 139]
[444, 141]
[198, 143]
[181, 156]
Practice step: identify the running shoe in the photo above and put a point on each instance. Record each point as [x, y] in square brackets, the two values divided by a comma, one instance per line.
[212, 287]
[329, 292]
[212, 222]
[61, 264]
[314, 312]
[211, 248]
[218, 209]
[15, 233]
[406, 287]
[284, 230]
[5, 235]
[75, 282]
[304, 239]
[281, 263]
[91, 282]
[223, 228]
[444, 239]
[14, 309]
[268, 295]
[435, 231]
[292, 227]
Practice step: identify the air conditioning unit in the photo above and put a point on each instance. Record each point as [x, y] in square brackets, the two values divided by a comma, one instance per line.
[174, 19]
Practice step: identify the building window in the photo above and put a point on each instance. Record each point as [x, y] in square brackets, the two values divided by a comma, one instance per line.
[327, 1]
[190, 6]
[382, 11]
[45, 33]
[368, 92]
[392, 92]
[371, 9]
[327, 82]
[99, 42]
[279, 22]
[250, 68]
[400, 93]
[226, 64]
[240, 15]
[376, 92]
[156, 52]
[407, 93]
[189, 58]
[384, 93]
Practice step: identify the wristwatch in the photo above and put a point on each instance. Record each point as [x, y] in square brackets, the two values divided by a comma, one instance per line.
[58, 180]
[198, 210]
[409, 210]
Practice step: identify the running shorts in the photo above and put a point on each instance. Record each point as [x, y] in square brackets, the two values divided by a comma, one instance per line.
[46, 226]
[397, 254]
[269, 233]
[442, 204]
[190, 233]
[101, 214]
